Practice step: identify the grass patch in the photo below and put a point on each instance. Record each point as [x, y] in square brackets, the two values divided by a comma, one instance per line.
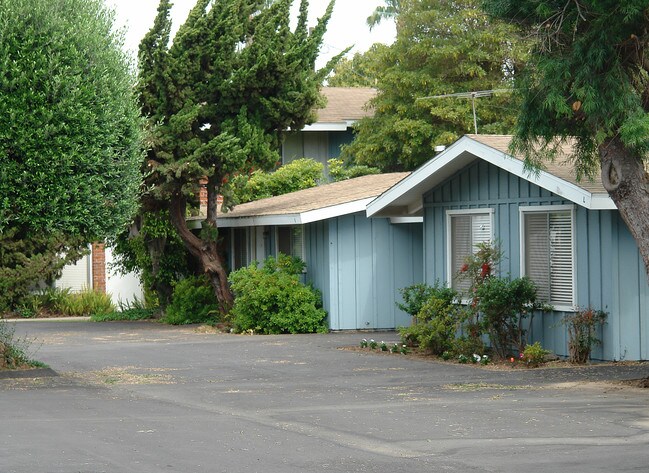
[127, 314]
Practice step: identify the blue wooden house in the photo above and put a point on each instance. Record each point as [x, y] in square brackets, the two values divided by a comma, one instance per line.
[565, 235]
[333, 127]
[357, 263]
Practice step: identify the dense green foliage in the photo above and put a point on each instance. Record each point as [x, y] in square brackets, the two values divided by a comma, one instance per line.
[586, 78]
[441, 48]
[587, 85]
[436, 325]
[192, 302]
[26, 259]
[416, 296]
[504, 305]
[362, 70]
[152, 249]
[70, 136]
[272, 300]
[340, 171]
[294, 176]
[218, 99]
[123, 315]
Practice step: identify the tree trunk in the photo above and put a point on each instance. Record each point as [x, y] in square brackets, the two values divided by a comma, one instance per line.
[205, 249]
[626, 181]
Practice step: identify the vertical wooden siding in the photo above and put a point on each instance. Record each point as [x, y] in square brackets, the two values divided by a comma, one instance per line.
[609, 271]
[368, 260]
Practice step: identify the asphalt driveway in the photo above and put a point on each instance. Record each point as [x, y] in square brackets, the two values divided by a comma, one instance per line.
[142, 397]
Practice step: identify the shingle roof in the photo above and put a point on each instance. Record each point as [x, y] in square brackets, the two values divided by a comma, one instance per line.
[345, 104]
[327, 196]
[561, 167]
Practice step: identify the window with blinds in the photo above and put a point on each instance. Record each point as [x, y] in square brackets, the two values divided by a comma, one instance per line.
[290, 241]
[548, 255]
[466, 230]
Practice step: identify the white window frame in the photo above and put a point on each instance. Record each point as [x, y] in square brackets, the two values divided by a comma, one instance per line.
[449, 235]
[302, 254]
[547, 209]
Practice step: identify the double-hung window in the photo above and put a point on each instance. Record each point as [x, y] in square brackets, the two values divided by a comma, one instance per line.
[547, 252]
[290, 240]
[466, 228]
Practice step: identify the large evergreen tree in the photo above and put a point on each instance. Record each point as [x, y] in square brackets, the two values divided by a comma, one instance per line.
[219, 98]
[70, 136]
[588, 81]
[441, 48]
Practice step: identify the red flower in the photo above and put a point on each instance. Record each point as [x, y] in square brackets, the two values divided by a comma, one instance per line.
[464, 268]
[485, 270]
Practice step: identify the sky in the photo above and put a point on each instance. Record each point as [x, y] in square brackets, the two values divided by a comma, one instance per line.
[347, 25]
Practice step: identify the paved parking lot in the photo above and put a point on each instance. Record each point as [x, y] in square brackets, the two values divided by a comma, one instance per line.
[142, 397]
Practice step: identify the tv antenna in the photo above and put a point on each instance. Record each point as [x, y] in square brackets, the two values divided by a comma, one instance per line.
[468, 95]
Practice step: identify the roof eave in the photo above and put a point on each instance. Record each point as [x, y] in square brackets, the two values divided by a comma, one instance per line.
[295, 218]
[404, 199]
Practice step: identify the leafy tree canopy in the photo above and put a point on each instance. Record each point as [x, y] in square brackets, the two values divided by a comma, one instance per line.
[586, 79]
[360, 71]
[70, 139]
[441, 48]
[69, 127]
[588, 82]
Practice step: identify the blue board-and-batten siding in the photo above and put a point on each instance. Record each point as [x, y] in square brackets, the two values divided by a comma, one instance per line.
[359, 265]
[609, 271]
[365, 263]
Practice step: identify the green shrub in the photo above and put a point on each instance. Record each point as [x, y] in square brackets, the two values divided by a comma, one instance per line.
[415, 296]
[467, 346]
[192, 302]
[503, 305]
[437, 323]
[534, 355]
[272, 300]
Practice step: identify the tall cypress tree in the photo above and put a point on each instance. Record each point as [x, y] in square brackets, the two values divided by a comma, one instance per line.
[218, 100]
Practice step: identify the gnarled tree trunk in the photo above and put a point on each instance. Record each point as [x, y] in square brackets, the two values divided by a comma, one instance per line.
[626, 181]
[204, 249]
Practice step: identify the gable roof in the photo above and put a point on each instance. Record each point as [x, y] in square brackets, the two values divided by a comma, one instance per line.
[405, 198]
[311, 205]
[345, 106]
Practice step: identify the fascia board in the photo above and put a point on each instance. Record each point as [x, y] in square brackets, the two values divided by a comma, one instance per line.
[422, 180]
[295, 218]
[400, 220]
[602, 202]
[417, 181]
[336, 126]
[235, 222]
[336, 210]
